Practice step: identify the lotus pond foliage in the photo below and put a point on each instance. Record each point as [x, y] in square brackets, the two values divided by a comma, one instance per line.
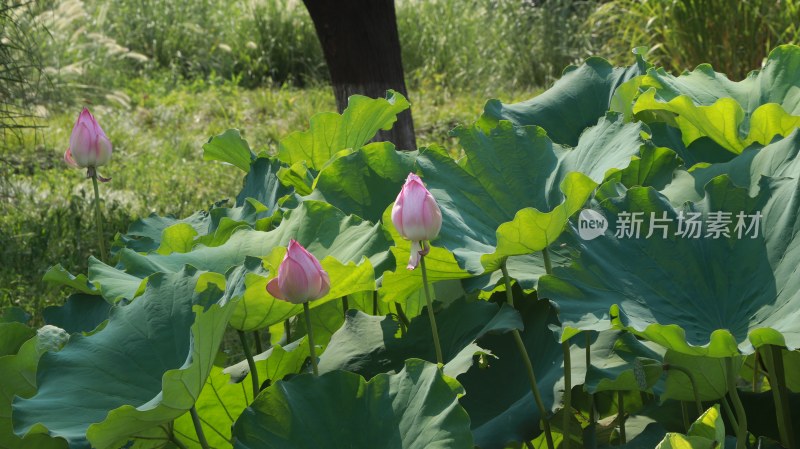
[413, 300]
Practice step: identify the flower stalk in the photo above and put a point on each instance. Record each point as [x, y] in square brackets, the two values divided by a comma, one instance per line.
[311, 348]
[537, 396]
[431, 316]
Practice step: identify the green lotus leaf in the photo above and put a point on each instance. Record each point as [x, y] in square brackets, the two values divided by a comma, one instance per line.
[330, 133]
[531, 230]
[722, 120]
[115, 284]
[229, 147]
[222, 401]
[14, 314]
[12, 336]
[413, 409]
[368, 345]
[779, 159]
[507, 169]
[708, 432]
[709, 373]
[703, 296]
[575, 102]
[776, 82]
[321, 228]
[178, 238]
[80, 313]
[144, 235]
[733, 114]
[18, 371]
[654, 168]
[146, 367]
[506, 412]
[619, 362]
[702, 150]
[262, 183]
[366, 181]
[60, 276]
[277, 361]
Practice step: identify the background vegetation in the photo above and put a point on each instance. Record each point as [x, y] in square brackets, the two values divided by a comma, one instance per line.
[164, 75]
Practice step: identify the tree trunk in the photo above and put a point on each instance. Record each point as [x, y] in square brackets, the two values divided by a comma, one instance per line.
[362, 50]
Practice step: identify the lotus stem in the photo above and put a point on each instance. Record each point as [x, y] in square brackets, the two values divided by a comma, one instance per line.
[250, 363]
[312, 349]
[287, 329]
[548, 435]
[345, 306]
[567, 393]
[697, 403]
[592, 443]
[198, 428]
[741, 417]
[548, 265]
[98, 216]
[685, 416]
[402, 318]
[259, 345]
[756, 374]
[375, 302]
[434, 330]
[729, 412]
[621, 416]
[777, 382]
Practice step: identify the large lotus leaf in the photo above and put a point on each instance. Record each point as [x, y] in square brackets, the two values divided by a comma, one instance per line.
[14, 314]
[330, 132]
[320, 227]
[508, 169]
[619, 362]
[368, 345]
[222, 401]
[722, 121]
[60, 276]
[18, 371]
[734, 114]
[413, 409]
[574, 103]
[145, 234]
[505, 411]
[12, 336]
[654, 168]
[113, 283]
[776, 160]
[80, 313]
[229, 147]
[704, 296]
[366, 181]
[262, 183]
[708, 432]
[777, 83]
[709, 373]
[144, 368]
[701, 150]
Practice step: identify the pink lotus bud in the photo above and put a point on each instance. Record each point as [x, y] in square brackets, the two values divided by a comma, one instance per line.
[88, 145]
[300, 277]
[417, 217]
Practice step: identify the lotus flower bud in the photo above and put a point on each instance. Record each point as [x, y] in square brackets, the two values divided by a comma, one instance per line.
[89, 146]
[300, 277]
[417, 217]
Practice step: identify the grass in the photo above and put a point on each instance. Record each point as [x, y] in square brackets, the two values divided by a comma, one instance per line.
[157, 167]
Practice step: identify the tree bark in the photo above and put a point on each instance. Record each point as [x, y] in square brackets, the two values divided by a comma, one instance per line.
[362, 49]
